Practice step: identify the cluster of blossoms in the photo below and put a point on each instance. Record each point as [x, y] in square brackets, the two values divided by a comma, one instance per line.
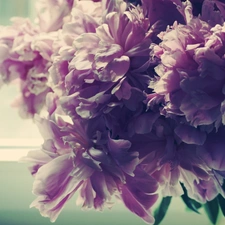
[135, 100]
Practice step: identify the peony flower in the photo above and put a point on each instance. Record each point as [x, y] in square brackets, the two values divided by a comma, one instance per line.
[173, 154]
[6, 43]
[190, 76]
[63, 47]
[82, 155]
[28, 60]
[103, 79]
[52, 14]
[135, 101]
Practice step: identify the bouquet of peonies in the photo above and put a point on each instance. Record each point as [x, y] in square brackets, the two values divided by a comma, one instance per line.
[135, 99]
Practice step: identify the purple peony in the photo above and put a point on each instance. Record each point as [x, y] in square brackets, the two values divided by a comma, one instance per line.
[83, 156]
[172, 161]
[134, 96]
[84, 18]
[28, 60]
[190, 76]
[96, 81]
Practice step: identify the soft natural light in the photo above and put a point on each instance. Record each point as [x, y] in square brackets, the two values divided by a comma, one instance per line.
[117, 164]
[14, 149]
[20, 143]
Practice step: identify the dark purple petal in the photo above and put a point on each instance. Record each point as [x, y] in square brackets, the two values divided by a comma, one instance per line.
[190, 135]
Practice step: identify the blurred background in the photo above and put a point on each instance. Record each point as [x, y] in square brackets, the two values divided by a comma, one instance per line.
[12, 126]
[17, 136]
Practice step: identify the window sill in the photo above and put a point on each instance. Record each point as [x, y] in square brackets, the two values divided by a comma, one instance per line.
[12, 150]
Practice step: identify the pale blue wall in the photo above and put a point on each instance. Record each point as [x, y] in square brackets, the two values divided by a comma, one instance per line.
[9, 8]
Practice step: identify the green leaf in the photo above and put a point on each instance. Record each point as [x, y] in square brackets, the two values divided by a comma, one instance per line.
[221, 200]
[223, 186]
[212, 210]
[221, 203]
[160, 213]
[190, 203]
